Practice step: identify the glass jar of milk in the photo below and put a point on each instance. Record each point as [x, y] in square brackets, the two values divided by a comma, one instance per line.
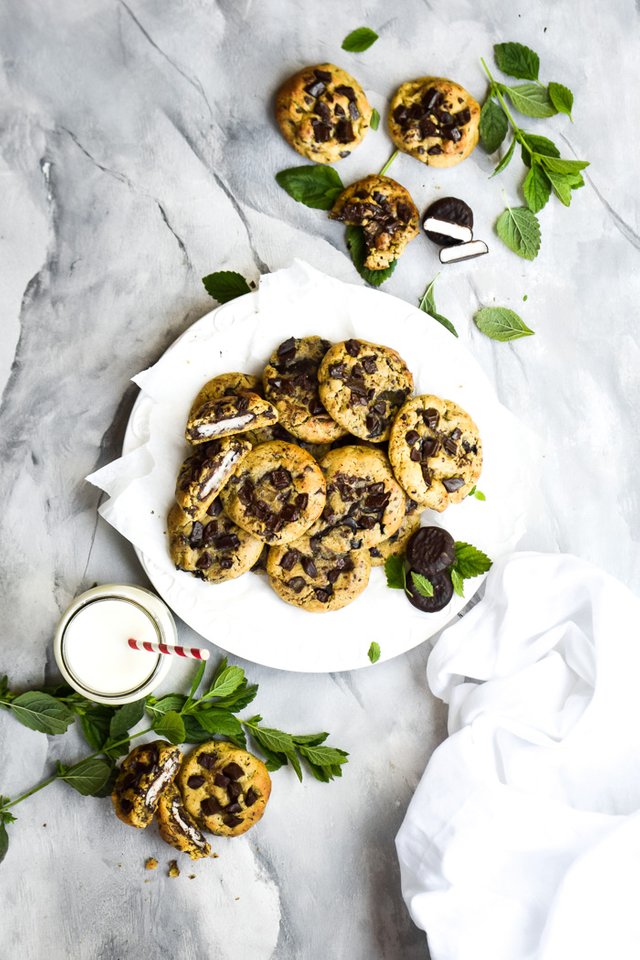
[91, 647]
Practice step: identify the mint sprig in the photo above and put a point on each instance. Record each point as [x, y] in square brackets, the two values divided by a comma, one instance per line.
[225, 285]
[470, 562]
[428, 304]
[315, 185]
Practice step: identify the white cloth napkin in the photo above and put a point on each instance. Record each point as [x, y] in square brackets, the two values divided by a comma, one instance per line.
[522, 841]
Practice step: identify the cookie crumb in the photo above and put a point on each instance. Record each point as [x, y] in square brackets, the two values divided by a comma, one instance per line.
[174, 870]
[236, 898]
[151, 863]
[215, 855]
[192, 876]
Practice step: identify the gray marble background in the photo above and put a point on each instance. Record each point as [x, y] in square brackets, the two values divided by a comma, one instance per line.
[137, 153]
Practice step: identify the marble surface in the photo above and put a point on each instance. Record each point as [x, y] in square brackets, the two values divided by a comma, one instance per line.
[137, 153]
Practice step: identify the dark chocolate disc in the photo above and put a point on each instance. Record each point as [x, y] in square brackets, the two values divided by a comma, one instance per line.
[431, 550]
[442, 593]
[453, 210]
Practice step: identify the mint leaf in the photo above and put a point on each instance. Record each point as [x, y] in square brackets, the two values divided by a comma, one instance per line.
[562, 98]
[219, 721]
[95, 724]
[516, 60]
[394, 571]
[310, 739]
[427, 303]
[193, 732]
[171, 727]
[225, 285]
[359, 40]
[519, 229]
[499, 323]
[457, 581]
[504, 162]
[323, 756]
[4, 840]
[315, 185]
[478, 494]
[530, 100]
[374, 652]
[226, 680]
[274, 740]
[42, 712]
[125, 718]
[558, 165]
[536, 188]
[470, 562]
[240, 698]
[88, 777]
[422, 586]
[171, 702]
[537, 144]
[562, 185]
[493, 125]
[197, 680]
[358, 250]
[374, 123]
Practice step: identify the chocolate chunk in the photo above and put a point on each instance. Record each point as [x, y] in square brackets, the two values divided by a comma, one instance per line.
[367, 522]
[315, 88]
[339, 110]
[323, 111]
[309, 567]
[451, 484]
[462, 117]
[204, 562]
[195, 538]
[280, 478]
[347, 92]
[344, 153]
[454, 134]
[378, 487]
[221, 781]
[426, 474]
[289, 560]
[250, 797]
[404, 212]
[323, 75]
[395, 397]
[302, 501]
[337, 371]
[215, 508]
[427, 128]
[444, 117]
[400, 114]
[296, 584]
[416, 455]
[128, 781]
[369, 364]
[352, 347]
[289, 513]
[442, 593]
[429, 447]
[354, 113]
[431, 99]
[469, 447]
[333, 574]
[374, 425]
[234, 789]
[323, 594]
[431, 550]
[207, 760]
[210, 806]
[227, 541]
[376, 501]
[435, 150]
[322, 132]
[126, 805]
[233, 770]
[431, 417]
[242, 403]
[379, 407]
[456, 434]
[195, 781]
[344, 131]
[450, 446]
[415, 111]
[233, 808]
[231, 821]
[225, 563]
[412, 436]
[287, 348]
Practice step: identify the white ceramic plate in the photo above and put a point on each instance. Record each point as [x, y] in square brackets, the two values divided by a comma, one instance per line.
[244, 616]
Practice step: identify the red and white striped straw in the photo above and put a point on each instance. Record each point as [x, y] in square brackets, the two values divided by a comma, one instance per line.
[191, 653]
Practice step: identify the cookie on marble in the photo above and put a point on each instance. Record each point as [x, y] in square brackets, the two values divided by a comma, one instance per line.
[277, 493]
[365, 503]
[177, 827]
[434, 120]
[435, 451]
[291, 385]
[214, 549]
[322, 112]
[144, 774]
[225, 385]
[205, 472]
[224, 788]
[363, 385]
[387, 214]
[396, 544]
[309, 576]
[229, 414]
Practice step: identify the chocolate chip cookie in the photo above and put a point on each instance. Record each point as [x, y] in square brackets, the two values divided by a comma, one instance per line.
[224, 788]
[291, 384]
[277, 493]
[435, 451]
[363, 385]
[322, 112]
[434, 120]
[387, 214]
[177, 827]
[231, 413]
[214, 549]
[307, 575]
[397, 542]
[205, 472]
[225, 385]
[144, 774]
[365, 504]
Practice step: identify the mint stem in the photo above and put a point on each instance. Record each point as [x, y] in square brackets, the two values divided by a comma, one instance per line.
[389, 162]
[495, 90]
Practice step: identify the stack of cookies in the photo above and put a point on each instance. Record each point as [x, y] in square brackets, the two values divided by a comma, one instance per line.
[319, 470]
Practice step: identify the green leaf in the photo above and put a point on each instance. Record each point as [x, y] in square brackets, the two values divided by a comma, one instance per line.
[359, 40]
[95, 725]
[324, 756]
[275, 740]
[457, 581]
[530, 100]
[562, 98]
[225, 285]
[499, 323]
[358, 250]
[394, 570]
[219, 721]
[193, 731]
[4, 685]
[536, 188]
[504, 162]
[537, 144]
[226, 680]
[171, 702]
[470, 562]
[309, 739]
[42, 712]
[479, 495]
[427, 303]
[516, 60]
[87, 777]
[562, 186]
[374, 123]
[197, 679]
[171, 727]
[125, 718]
[240, 698]
[422, 586]
[374, 652]
[315, 185]
[558, 165]
[519, 229]
[493, 125]
[4, 841]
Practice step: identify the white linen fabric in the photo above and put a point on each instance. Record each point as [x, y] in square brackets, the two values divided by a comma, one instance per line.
[522, 841]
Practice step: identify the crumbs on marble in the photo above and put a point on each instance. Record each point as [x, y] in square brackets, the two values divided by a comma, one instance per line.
[151, 863]
[174, 869]
[192, 876]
